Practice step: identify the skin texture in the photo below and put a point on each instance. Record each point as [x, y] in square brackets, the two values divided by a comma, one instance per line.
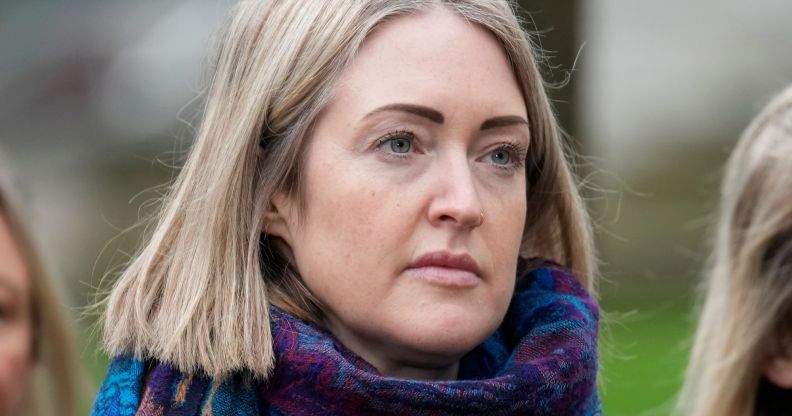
[16, 322]
[383, 187]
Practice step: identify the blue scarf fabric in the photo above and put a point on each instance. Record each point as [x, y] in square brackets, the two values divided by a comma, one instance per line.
[541, 361]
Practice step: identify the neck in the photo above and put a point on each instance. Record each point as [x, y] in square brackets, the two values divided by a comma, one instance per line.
[414, 371]
[398, 361]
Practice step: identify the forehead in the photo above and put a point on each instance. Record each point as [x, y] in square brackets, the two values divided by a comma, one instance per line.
[434, 57]
[13, 270]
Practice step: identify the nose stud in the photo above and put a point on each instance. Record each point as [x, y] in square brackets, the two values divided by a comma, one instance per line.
[481, 218]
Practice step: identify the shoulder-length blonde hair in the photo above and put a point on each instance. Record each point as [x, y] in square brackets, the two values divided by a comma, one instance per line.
[198, 293]
[56, 379]
[748, 301]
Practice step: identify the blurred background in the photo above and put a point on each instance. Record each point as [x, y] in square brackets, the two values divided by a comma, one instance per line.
[98, 101]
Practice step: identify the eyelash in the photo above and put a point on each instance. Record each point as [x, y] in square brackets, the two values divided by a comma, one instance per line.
[518, 154]
[517, 151]
[397, 134]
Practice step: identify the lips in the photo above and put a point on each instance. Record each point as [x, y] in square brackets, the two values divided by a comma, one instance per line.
[446, 269]
[447, 260]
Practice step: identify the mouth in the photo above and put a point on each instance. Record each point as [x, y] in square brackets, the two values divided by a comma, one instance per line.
[446, 269]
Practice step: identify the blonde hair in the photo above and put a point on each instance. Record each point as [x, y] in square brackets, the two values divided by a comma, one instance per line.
[55, 382]
[197, 295]
[749, 289]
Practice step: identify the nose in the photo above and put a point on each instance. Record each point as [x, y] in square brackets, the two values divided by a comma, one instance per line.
[456, 201]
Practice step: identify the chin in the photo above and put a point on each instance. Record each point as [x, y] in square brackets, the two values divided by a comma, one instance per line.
[451, 333]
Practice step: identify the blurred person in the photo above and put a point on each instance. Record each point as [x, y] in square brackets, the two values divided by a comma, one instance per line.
[38, 363]
[346, 234]
[741, 362]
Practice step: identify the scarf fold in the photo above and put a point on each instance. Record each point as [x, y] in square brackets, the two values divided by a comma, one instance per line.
[541, 361]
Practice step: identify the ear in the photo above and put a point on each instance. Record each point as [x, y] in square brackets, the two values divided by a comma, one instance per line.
[778, 368]
[279, 218]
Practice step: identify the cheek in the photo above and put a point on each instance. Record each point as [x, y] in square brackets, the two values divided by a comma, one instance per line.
[505, 221]
[352, 223]
[503, 235]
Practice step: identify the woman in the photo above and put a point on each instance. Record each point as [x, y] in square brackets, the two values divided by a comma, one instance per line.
[741, 362]
[38, 368]
[344, 236]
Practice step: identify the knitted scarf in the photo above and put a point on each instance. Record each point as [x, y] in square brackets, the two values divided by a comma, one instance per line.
[541, 361]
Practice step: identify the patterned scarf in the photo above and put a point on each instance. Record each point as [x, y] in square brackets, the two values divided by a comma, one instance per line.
[541, 361]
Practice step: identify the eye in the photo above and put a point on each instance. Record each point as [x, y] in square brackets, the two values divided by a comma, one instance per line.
[6, 312]
[398, 142]
[400, 145]
[501, 156]
[506, 156]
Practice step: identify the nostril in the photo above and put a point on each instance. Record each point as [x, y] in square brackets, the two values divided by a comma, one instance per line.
[446, 218]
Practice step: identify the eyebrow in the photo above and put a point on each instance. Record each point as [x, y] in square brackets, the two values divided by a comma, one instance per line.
[503, 121]
[418, 110]
[437, 117]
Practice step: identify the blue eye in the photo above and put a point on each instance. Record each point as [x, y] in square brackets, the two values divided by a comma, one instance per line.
[506, 156]
[400, 144]
[501, 156]
[397, 143]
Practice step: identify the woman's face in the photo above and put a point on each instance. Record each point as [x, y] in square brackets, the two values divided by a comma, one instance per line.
[415, 196]
[16, 321]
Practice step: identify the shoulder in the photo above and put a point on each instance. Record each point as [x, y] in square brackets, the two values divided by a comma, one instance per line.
[134, 387]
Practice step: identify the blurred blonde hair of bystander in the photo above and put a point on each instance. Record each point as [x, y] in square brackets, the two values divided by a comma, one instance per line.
[746, 320]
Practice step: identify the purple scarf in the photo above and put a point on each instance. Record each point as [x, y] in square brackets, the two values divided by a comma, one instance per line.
[541, 361]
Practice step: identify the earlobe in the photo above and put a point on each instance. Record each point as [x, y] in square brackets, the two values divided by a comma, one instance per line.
[778, 368]
[779, 372]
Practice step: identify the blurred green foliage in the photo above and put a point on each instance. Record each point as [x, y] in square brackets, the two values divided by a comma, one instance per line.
[645, 346]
